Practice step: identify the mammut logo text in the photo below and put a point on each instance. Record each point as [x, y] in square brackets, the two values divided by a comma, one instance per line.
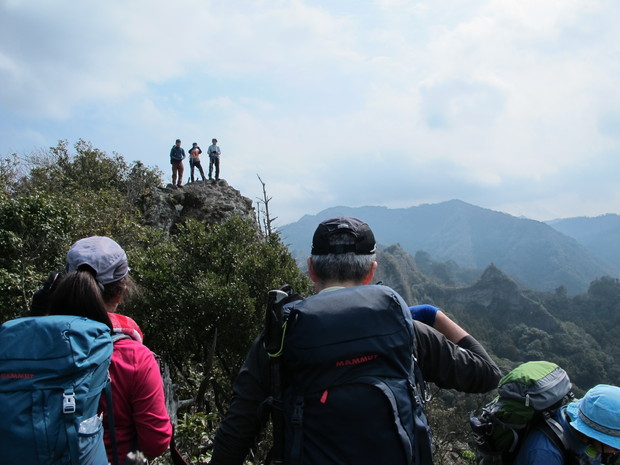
[17, 375]
[356, 361]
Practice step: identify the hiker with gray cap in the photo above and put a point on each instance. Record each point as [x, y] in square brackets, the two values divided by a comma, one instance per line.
[94, 284]
[353, 366]
[587, 432]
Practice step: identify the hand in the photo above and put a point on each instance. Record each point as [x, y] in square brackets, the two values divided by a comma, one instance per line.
[424, 313]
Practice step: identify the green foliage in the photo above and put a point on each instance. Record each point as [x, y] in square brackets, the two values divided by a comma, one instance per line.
[89, 169]
[62, 198]
[35, 233]
[210, 280]
[192, 432]
[9, 170]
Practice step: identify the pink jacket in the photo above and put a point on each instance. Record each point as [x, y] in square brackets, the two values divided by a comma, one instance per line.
[140, 415]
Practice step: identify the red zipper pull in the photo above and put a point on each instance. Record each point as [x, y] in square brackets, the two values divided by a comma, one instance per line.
[324, 397]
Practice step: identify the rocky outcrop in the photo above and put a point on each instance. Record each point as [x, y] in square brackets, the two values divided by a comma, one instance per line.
[497, 299]
[210, 202]
[398, 270]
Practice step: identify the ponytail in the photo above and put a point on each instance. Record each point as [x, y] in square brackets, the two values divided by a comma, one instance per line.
[78, 293]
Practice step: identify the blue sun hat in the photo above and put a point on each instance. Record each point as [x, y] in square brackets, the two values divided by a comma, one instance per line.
[597, 414]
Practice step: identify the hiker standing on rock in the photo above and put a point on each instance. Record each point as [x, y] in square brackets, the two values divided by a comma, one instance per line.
[177, 155]
[214, 159]
[194, 161]
[353, 365]
[590, 432]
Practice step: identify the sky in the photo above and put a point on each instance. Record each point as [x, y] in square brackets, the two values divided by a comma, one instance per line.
[512, 105]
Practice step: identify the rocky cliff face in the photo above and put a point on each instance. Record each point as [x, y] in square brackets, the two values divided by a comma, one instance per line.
[209, 202]
[497, 299]
[398, 270]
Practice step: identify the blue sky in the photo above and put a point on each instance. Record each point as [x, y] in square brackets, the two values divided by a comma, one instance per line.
[512, 105]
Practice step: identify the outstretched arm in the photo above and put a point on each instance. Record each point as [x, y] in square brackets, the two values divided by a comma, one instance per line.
[451, 358]
[434, 317]
[449, 328]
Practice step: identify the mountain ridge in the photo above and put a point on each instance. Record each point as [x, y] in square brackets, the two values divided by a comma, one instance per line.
[534, 253]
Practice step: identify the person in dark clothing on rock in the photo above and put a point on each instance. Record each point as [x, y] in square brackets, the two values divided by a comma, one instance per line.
[177, 155]
[342, 266]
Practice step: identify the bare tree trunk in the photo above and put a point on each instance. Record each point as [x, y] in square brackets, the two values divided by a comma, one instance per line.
[200, 397]
[265, 201]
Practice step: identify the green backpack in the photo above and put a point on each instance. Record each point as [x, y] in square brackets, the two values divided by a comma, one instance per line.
[527, 397]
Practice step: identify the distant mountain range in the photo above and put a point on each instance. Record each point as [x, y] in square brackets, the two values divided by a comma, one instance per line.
[540, 256]
[600, 235]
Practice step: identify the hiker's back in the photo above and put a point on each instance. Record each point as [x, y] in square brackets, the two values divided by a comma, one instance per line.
[52, 372]
[140, 418]
[530, 397]
[350, 391]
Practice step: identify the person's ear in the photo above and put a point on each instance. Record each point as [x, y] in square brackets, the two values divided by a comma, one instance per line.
[116, 300]
[311, 272]
[371, 273]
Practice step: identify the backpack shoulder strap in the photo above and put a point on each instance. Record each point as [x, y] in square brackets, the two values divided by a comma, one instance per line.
[110, 406]
[556, 434]
[273, 340]
[119, 337]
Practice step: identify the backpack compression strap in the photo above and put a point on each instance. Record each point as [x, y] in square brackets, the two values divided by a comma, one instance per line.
[110, 408]
[68, 410]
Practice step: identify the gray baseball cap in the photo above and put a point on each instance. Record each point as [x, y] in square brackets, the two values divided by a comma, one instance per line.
[103, 255]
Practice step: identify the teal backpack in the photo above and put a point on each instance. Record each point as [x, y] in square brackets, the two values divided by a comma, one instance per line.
[52, 372]
[527, 397]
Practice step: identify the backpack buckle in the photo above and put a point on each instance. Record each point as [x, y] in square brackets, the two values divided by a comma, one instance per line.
[68, 402]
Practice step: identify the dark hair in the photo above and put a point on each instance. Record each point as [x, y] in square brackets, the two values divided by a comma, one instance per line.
[126, 286]
[78, 293]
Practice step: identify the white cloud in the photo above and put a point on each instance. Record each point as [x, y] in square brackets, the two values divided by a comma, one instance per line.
[353, 99]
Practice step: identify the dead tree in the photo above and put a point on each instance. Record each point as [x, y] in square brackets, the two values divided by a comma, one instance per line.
[263, 208]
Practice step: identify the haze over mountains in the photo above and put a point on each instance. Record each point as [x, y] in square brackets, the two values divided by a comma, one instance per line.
[600, 235]
[538, 255]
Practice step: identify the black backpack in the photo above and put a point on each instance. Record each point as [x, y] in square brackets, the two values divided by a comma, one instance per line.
[352, 389]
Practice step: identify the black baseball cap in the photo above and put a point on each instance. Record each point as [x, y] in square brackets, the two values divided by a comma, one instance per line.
[364, 243]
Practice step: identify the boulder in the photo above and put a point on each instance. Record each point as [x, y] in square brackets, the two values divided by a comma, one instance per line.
[210, 202]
